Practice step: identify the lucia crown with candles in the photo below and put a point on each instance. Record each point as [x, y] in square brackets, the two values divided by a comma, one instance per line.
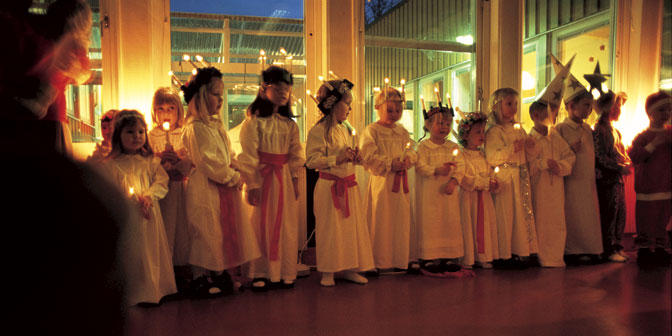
[335, 94]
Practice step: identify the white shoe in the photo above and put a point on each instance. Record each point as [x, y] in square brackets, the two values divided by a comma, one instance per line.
[617, 257]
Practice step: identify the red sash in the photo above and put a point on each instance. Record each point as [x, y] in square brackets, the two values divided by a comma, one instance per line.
[339, 189]
[227, 220]
[398, 177]
[480, 222]
[273, 166]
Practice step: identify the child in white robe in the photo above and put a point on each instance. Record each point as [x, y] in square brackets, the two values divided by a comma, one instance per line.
[479, 225]
[104, 147]
[341, 235]
[387, 154]
[221, 236]
[439, 171]
[165, 140]
[505, 147]
[271, 162]
[131, 165]
[582, 215]
[553, 160]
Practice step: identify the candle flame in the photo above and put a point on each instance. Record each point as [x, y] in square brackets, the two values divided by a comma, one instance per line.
[455, 152]
[199, 58]
[448, 95]
[496, 169]
[170, 73]
[516, 126]
[376, 89]
[283, 51]
[387, 80]
[186, 57]
[408, 145]
[308, 92]
[166, 126]
[262, 52]
[194, 71]
[131, 191]
[320, 78]
[436, 89]
[403, 81]
[595, 93]
[354, 132]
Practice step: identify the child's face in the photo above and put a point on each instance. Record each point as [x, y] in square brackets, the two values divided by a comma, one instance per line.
[278, 93]
[342, 108]
[581, 109]
[441, 127]
[541, 117]
[214, 96]
[133, 138]
[106, 129]
[390, 112]
[476, 136]
[660, 116]
[166, 112]
[508, 108]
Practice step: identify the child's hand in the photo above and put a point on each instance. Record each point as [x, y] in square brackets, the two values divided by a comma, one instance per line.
[407, 163]
[553, 167]
[449, 187]
[357, 156]
[661, 138]
[295, 183]
[446, 169]
[625, 170]
[145, 205]
[529, 143]
[494, 184]
[344, 156]
[397, 165]
[518, 145]
[167, 166]
[234, 164]
[169, 155]
[254, 196]
[240, 183]
[576, 147]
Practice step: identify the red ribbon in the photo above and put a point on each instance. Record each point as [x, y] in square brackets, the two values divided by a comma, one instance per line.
[228, 221]
[480, 221]
[273, 166]
[397, 181]
[339, 189]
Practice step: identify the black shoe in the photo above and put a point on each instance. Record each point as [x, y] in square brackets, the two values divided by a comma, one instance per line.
[645, 258]
[201, 288]
[280, 285]
[450, 267]
[224, 283]
[413, 268]
[428, 266]
[260, 289]
[372, 274]
[661, 257]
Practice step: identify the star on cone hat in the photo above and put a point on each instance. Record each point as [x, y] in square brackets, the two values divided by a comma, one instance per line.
[552, 94]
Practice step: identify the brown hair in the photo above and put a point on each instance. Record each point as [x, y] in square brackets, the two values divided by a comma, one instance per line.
[123, 119]
[165, 95]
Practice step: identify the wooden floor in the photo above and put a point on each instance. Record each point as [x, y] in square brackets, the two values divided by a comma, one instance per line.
[608, 299]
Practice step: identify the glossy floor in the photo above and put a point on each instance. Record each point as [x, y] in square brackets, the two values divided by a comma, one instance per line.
[608, 299]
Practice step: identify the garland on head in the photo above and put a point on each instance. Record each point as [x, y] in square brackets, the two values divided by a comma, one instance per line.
[335, 95]
[466, 123]
[203, 77]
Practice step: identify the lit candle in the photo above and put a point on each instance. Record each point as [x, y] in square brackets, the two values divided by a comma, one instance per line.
[194, 71]
[438, 96]
[496, 171]
[325, 83]
[387, 81]
[166, 127]
[403, 154]
[131, 191]
[403, 91]
[313, 97]
[450, 103]
[199, 58]
[455, 152]
[422, 100]
[174, 78]
[479, 105]
[188, 59]
[333, 74]
[354, 138]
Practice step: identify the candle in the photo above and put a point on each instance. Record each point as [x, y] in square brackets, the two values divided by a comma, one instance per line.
[354, 138]
[422, 100]
[496, 171]
[455, 152]
[166, 127]
[313, 97]
[131, 191]
[333, 74]
[387, 81]
[403, 92]
[199, 58]
[450, 103]
[438, 96]
[403, 154]
[479, 105]
[188, 59]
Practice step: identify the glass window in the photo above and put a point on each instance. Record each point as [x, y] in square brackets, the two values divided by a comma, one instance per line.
[666, 57]
[529, 85]
[430, 45]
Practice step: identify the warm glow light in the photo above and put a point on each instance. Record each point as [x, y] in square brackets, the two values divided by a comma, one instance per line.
[631, 123]
[408, 145]
[131, 191]
[516, 126]
[436, 89]
[320, 78]
[262, 52]
[666, 84]
[283, 51]
[387, 80]
[170, 73]
[604, 87]
[496, 169]
[308, 92]
[595, 93]
[194, 71]
[186, 57]
[166, 126]
[455, 152]
[403, 81]
[528, 81]
[376, 89]
[354, 132]
[465, 39]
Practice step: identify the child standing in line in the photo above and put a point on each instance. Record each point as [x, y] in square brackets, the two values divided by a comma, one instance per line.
[165, 140]
[611, 164]
[104, 147]
[477, 211]
[552, 161]
[582, 216]
[132, 166]
[271, 162]
[439, 169]
[651, 153]
[387, 154]
[506, 144]
[221, 237]
[341, 235]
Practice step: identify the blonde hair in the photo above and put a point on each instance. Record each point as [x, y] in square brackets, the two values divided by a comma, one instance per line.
[436, 117]
[496, 98]
[165, 95]
[393, 95]
[198, 106]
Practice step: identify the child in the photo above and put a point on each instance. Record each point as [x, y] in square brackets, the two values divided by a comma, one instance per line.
[271, 162]
[651, 153]
[553, 161]
[341, 235]
[220, 235]
[477, 211]
[584, 242]
[611, 164]
[505, 147]
[387, 154]
[167, 111]
[439, 172]
[103, 148]
[131, 165]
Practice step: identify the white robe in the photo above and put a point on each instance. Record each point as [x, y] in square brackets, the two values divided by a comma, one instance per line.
[388, 214]
[173, 206]
[548, 195]
[438, 225]
[477, 175]
[276, 135]
[209, 148]
[582, 214]
[146, 259]
[515, 220]
[341, 243]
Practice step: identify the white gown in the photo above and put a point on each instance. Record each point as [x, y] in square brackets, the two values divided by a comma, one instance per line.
[146, 256]
[212, 244]
[513, 203]
[342, 243]
[275, 135]
[548, 196]
[582, 212]
[477, 175]
[438, 225]
[173, 206]
[388, 213]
